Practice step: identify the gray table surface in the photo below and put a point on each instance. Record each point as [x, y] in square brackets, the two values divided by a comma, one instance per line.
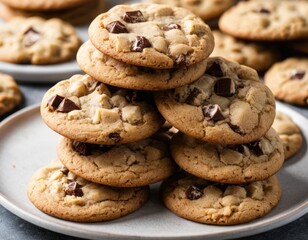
[15, 228]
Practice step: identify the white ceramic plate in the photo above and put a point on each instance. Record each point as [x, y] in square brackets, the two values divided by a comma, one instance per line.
[27, 144]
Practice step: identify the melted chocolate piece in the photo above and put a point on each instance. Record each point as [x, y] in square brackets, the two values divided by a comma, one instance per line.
[264, 10]
[297, 74]
[74, 189]
[171, 26]
[67, 106]
[55, 101]
[115, 137]
[180, 61]
[193, 95]
[215, 70]
[193, 192]
[31, 37]
[64, 170]
[133, 17]
[140, 43]
[224, 87]
[212, 112]
[236, 129]
[255, 148]
[116, 27]
[82, 148]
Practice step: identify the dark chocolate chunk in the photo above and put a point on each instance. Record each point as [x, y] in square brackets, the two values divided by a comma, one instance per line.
[171, 26]
[31, 37]
[297, 74]
[64, 170]
[236, 129]
[193, 192]
[67, 106]
[212, 112]
[74, 189]
[55, 101]
[255, 148]
[224, 87]
[215, 70]
[116, 27]
[138, 96]
[133, 17]
[192, 95]
[238, 148]
[140, 43]
[82, 148]
[115, 137]
[263, 10]
[180, 61]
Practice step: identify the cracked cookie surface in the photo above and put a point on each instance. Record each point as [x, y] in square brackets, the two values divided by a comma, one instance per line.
[289, 133]
[152, 35]
[113, 72]
[266, 20]
[288, 80]
[85, 110]
[10, 94]
[128, 165]
[220, 204]
[233, 164]
[59, 193]
[37, 41]
[227, 105]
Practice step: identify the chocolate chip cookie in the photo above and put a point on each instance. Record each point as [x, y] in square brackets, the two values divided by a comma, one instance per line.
[233, 164]
[113, 72]
[152, 35]
[58, 192]
[288, 80]
[220, 204]
[129, 165]
[10, 94]
[289, 133]
[267, 20]
[38, 41]
[227, 105]
[86, 110]
[259, 56]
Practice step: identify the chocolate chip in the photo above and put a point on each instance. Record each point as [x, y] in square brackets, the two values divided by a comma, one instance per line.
[64, 170]
[133, 17]
[212, 112]
[31, 37]
[74, 189]
[297, 74]
[67, 106]
[224, 87]
[193, 192]
[180, 61]
[236, 129]
[82, 148]
[54, 102]
[171, 26]
[192, 95]
[215, 70]
[263, 10]
[116, 27]
[255, 148]
[140, 43]
[115, 137]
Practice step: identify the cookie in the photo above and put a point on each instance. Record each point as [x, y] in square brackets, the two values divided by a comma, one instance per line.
[258, 56]
[288, 80]
[227, 105]
[233, 164]
[289, 133]
[57, 192]
[129, 165]
[152, 35]
[43, 4]
[220, 204]
[82, 14]
[10, 94]
[267, 20]
[38, 41]
[85, 110]
[206, 9]
[113, 72]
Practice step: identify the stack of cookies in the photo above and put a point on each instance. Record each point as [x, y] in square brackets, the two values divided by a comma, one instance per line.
[74, 11]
